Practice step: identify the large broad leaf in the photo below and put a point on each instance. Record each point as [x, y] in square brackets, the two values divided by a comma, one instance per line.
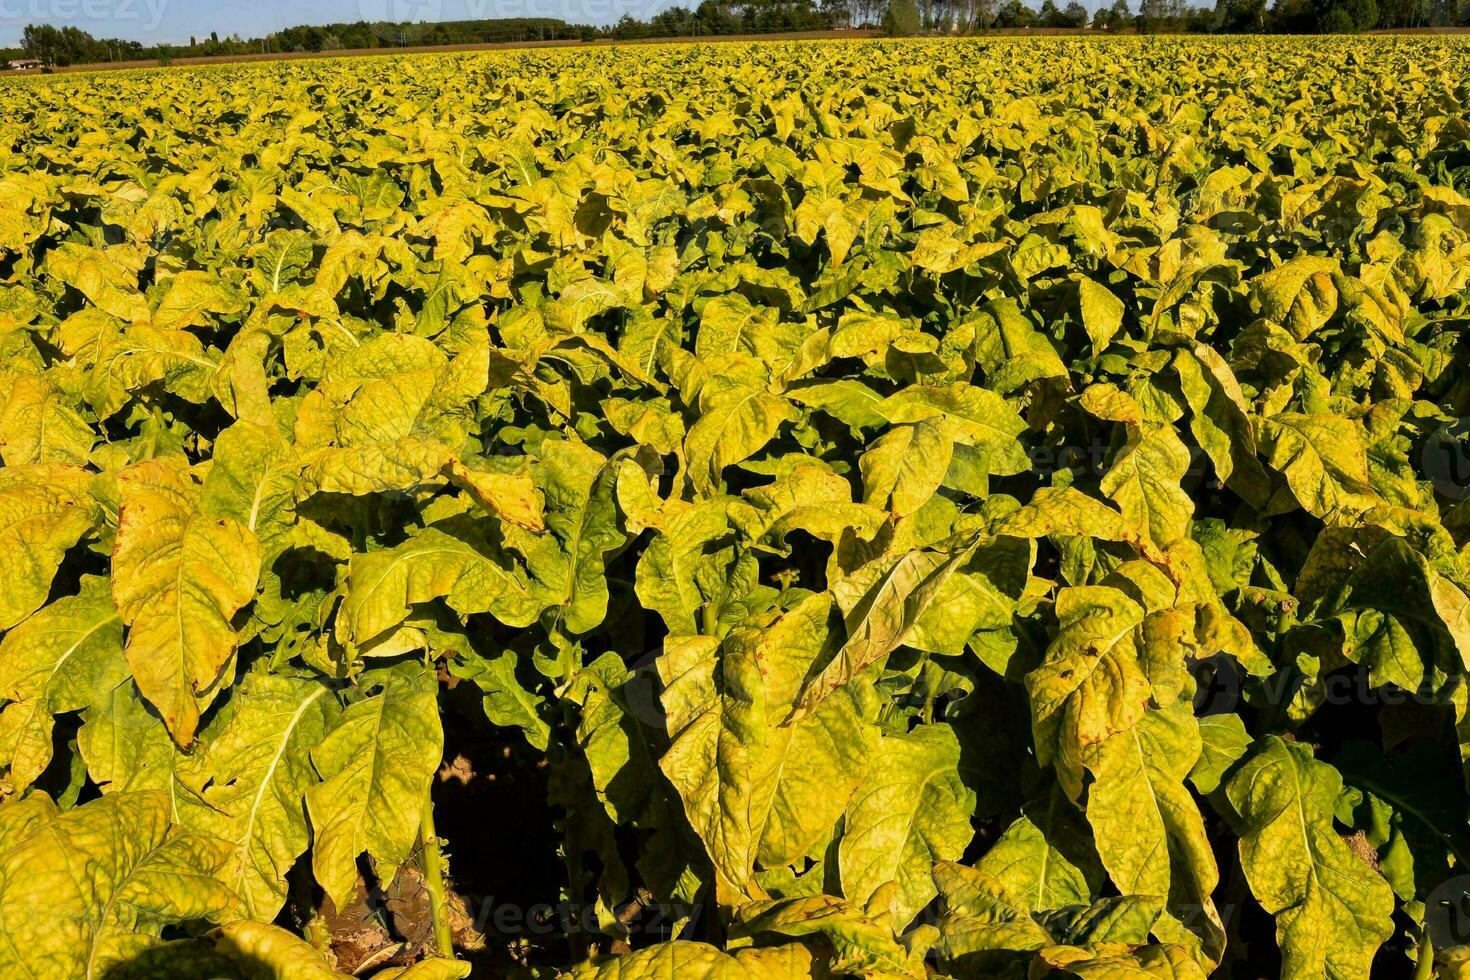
[1399, 615]
[253, 779]
[110, 876]
[881, 604]
[975, 417]
[1145, 482]
[1045, 859]
[700, 961]
[1149, 832]
[982, 927]
[569, 560]
[1298, 294]
[1102, 312]
[904, 467]
[862, 944]
[1066, 512]
[1332, 909]
[1091, 684]
[737, 417]
[64, 658]
[911, 810]
[44, 510]
[1011, 350]
[465, 570]
[1323, 459]
[194, 297]
[375, 766]
[755, 791]
[100, 277]
[507, 702]
[127, 747]
[178, 578]
[253, 479]
[687, 565]
[1221, 422]
[39, 424]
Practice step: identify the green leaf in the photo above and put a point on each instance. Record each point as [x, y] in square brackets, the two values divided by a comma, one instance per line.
[1091, 685]
[64, 658]
[861, 944]
[754, 790]
[737, 418]
[253, 779]
[101, 278]
[472, 576]
[1322, 458]
[1223, 742]
[507, 702]
[1102, 312]
[911, 810]
[268, 952]
[1149, 832]
[110, 875]
[375, 767]
[178, 578]
[569, 561]
[882, 603]
[1332, 910]
[126, 745]
[904, 467]
[1145, 482]
[193, 297]
[44, 510]
[40, 424]
[1045, 859]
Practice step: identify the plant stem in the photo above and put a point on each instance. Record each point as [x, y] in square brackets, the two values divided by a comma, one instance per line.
[1424, 968]
[312, 926]
[434, 881]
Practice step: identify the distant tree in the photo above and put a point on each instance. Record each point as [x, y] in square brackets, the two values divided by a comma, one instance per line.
[901, 19]
[1075, 14]
[1152, 14]
[1363, 13]
[837, 13]
[1014, 13]
[1242, 16]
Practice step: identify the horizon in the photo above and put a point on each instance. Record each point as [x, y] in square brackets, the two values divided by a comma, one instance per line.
[174, 22]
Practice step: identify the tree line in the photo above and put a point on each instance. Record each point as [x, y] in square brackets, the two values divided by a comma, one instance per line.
[62, 46]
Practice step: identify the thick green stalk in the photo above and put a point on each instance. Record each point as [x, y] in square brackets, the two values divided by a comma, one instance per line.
[434, 881]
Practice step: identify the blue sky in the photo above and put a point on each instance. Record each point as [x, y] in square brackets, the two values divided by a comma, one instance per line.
[174, 21]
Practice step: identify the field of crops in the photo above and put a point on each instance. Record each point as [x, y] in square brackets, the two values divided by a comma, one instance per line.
[962, 508]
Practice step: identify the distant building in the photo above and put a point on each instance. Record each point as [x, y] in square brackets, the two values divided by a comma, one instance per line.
[23, 63]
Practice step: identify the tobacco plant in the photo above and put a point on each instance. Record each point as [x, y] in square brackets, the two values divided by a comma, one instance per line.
[946, 507]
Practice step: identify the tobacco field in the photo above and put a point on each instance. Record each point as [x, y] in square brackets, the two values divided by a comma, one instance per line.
[955, 508]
